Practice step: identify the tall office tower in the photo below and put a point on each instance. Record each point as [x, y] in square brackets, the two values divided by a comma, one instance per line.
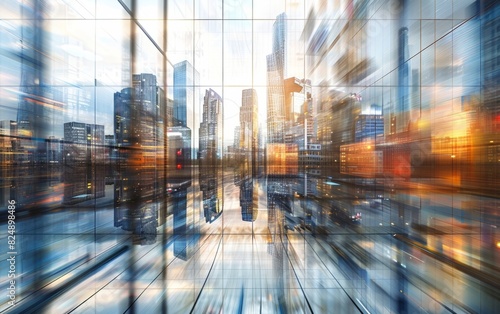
[276, 111]
[161, 122]
[186, 80]
[364, 158]
[249, 127]
[490, 46]
[169, 113]
[37, 101]
[237, 137]
[340, 110]
[276, 127]
[276, 103]
[280, 42]
[138, 113]
[249, 199]
[185, 234]
[84, 162]
[402, 111]
[110, 152]
[487, 141]
[276, 71]
[39, 109]
[210, 155]
[249, 153]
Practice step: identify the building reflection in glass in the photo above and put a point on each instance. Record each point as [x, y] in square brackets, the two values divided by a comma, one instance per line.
[379, 156]
[210, 156]
[84, 162]
[247, 150]
[138, 135]
[185, 235]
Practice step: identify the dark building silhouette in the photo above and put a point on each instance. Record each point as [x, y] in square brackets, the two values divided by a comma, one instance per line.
[84, 162]
[140, 178]
[345, 108]
[110, 154]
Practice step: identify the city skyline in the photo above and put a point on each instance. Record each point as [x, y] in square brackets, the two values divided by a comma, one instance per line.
[238, 46]
[239, 156]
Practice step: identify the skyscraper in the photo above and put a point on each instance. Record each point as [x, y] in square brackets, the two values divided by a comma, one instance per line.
[39, 109]
[276, 71]
[186, 79]
[249, 155]
[37, 103]
[404, 72]
[210, 155]
[138, 113]
[276, 126]
[249, 127]
[280, 42]
[490, 45]
[84, 162]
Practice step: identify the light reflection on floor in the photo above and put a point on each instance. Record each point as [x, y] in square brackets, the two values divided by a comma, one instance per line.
[232, 266]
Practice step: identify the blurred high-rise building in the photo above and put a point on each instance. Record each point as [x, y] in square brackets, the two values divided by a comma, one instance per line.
[237, 137]
[169, 113]
[486, 138]
[39, 102]
[276, 108]
[249, 126]
[186, 80]
[490, 45]
[185, 234]
[84, 162]
[248, 156]
[402, 112]
[210, 155]
[276, 71]
[38, 113]
[139, 181]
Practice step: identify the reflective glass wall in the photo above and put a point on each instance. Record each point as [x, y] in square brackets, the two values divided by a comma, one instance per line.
[250, 156]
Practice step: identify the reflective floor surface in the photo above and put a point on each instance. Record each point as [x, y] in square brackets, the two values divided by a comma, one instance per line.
[235, 266]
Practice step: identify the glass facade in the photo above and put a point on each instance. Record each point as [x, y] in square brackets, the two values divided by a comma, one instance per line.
[195, 156]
